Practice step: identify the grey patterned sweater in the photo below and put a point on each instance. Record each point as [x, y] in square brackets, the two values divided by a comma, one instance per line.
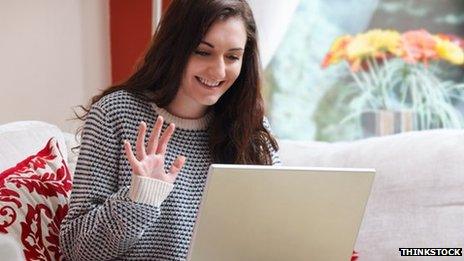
[116, 215]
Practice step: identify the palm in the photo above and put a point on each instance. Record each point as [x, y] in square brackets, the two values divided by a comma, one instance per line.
[150, 166]
[149, 161]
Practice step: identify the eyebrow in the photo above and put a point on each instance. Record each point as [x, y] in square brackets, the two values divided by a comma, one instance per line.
[212, 46]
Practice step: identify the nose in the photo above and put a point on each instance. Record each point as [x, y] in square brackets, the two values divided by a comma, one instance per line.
[217, 69]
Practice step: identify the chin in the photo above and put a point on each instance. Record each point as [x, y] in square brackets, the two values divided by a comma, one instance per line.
[209, 101]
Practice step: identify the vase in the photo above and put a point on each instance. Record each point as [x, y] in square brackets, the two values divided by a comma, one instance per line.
[386, 122]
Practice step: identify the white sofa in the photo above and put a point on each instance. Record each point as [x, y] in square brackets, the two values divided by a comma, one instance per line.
[417, 198]
[24, 138]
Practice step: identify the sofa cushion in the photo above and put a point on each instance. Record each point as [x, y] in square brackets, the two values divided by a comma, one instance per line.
[417, 194]
[9, 249]
[35, 197]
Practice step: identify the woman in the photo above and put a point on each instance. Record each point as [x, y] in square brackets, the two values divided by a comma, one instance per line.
[196, 100]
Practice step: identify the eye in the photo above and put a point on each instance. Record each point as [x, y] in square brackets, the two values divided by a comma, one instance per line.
[201, 53]
[233, 58]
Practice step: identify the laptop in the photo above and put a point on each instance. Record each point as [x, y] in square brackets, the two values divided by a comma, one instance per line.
[279, 213]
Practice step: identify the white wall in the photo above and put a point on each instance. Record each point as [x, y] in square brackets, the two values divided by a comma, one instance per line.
[54, 55]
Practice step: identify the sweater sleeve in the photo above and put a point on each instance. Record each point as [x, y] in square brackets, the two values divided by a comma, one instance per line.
[274, 153]
[105, 219]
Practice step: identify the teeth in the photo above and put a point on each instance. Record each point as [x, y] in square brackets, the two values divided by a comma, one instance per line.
[210, 83]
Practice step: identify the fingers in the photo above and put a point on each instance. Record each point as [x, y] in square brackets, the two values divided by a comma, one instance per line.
[129, 154]
[163, 142]
[176, 166]
[154, 136]
[140, 143]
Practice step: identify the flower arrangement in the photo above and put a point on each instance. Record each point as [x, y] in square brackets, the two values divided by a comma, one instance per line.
[394, 71]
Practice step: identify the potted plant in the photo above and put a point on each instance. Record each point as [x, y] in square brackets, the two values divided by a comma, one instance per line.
[396, 82]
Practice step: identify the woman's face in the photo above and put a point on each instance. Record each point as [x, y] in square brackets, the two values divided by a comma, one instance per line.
[213, 66]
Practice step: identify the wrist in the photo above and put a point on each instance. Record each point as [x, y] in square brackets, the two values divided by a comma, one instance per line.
[149, 190]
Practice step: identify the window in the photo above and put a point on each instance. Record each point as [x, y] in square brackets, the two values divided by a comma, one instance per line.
[303, 97]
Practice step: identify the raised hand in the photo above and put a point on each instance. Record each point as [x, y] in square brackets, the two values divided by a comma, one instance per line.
[149, 162]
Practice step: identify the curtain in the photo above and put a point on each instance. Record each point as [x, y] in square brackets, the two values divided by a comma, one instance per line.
[272, 19]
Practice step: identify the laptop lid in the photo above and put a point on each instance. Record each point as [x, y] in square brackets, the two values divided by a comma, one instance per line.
[279, 213]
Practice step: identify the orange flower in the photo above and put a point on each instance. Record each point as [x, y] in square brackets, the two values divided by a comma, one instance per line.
[337, 51]
[418, 46]
[378, 44]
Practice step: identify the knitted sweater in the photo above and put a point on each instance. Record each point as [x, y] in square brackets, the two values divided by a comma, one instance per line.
[116, 215]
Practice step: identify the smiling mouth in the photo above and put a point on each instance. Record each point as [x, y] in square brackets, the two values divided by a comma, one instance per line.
[209, 84]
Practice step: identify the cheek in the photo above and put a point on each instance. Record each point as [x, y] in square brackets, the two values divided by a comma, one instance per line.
[190, 71]
[235, 71]
[192, 67]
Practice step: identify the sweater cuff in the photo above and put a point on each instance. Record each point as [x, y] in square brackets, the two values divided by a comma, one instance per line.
[149, 190]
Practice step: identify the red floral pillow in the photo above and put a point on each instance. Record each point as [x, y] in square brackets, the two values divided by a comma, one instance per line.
[34, 198]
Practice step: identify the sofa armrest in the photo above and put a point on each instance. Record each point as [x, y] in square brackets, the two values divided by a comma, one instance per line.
[72, 150]
[21, 139]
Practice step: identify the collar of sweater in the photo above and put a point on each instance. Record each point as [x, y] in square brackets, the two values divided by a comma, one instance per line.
[187, 124]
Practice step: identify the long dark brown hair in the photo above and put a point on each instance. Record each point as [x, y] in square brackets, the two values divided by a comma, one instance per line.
[237, 132]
